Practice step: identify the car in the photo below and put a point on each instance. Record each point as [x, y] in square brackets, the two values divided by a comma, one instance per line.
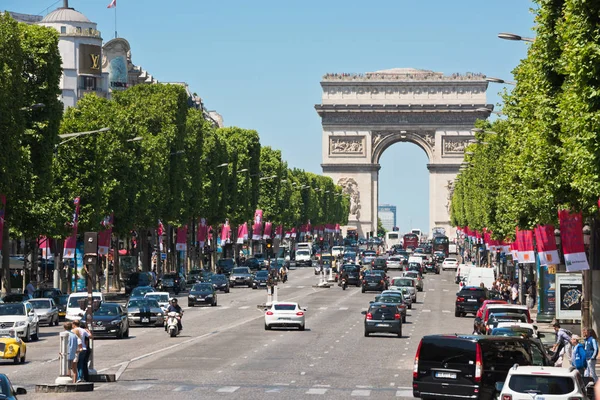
[506, 308]
[172, 281]
[225, 266]
[8, 391]
[449, 263]
[538, 382]
[15, 298]
[303, 257]
[285, 314]
[432, 266]
[373, 282]
[382, 318]
[110, 320]
[13, 348]
[194, 276]
[380, 263]
[260, 279]
[62, 306]
[495, 319]
[417, 277]
[468, 300]
[394, 262]
[469, 366]
[202, 293]
[240, 276]
[139, 279]
[353, 271]
[51, 293]
[337, 251]
[20, 318]
[516, 329]
[349, 257]
[141, 291]
[393, 298]
[220, 282]
[253, 264]
[485, 304]
[439, 256]
[162, 298]
[260, 257]
[46, 311]
[367, 259]
[409, 283]
[405, 294]
[76, 304]
[145, 311]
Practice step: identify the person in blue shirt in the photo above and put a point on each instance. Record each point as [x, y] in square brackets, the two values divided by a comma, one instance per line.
[578, 355]
[591, 352]
[72, 351]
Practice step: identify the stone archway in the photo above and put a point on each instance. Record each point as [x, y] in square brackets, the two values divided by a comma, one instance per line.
[364, 114]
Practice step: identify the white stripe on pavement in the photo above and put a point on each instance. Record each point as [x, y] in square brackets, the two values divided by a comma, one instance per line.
[362, 393]
[404, 393]
[316, 391]
[228, 389]
[140, 387]
[343, 308]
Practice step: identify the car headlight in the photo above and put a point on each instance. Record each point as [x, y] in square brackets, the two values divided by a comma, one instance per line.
[191, 296]
[130, 315]
[20, 323]
[115, 322]
[209, 295]
[159, 314]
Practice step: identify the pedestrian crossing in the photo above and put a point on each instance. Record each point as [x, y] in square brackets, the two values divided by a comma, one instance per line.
[242, 391]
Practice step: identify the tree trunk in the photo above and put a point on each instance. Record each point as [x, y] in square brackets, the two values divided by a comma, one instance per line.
[6, 288]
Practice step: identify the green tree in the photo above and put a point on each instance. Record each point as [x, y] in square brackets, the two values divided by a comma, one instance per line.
[380, 229]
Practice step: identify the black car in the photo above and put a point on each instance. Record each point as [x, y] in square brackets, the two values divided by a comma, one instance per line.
[138, 279]
[15, 298]
[432, 266]
[373, 282]
[225, 266]
[52, 293]
[110, 320]
[172, 281]
[62, 306]
[240, 276]
[194, 276]
[468, 300]
[253, 263]
[468, 367]
[383, 318]
[380, 263]
[220, 282]
[398, 301]
[260, 279]
[353, 271]
[202, 293]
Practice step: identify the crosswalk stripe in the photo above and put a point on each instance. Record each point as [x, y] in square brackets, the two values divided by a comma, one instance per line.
[300, 287]
[228, 389]
[316, 391]
[361, 392]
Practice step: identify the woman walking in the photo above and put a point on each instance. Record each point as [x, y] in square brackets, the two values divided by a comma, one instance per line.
[591, 352]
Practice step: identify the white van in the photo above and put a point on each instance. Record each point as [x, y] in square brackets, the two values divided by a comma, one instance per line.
[74, 313]
[304, 246]
[477, 276]
[415, 259]
[462, 271]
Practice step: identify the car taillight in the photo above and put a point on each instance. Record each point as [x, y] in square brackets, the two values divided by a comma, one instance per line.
[269, 312]
[364, 282]
[369, 316]
[507, 397]
[397, 316]
[381, 282]
[416, 363]
[481, 299]
[575, 398]
[299, 313]
[478, 364]
[459, 299]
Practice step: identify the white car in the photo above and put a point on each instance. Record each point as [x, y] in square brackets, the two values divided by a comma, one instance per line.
[408, 298]
[529, 329]
[548, 383]
[162, 298]
[21, 318]
[285, 314]
[394, 262]
[450, 263]
[337, 251]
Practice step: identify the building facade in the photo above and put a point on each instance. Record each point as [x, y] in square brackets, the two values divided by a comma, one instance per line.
[387, 215]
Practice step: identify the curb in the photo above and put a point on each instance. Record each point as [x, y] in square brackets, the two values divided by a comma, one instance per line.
[65, 388]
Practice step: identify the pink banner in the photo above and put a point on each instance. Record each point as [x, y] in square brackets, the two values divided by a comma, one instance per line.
[202, 232]
[159, 231]
[546, 245]
[571, 235]
[268, 229]
[45, 245]
[240, 235]
[105, 235]
[258, 215]
[2, 207]
[337, 228]
[293, 233]
[225, 234]
[514, 252]
[181, 244]
[71, 241]
[526, 253]
[257, 231]
[279, 232]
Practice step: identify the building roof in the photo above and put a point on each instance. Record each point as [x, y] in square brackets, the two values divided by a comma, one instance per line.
[65, 15]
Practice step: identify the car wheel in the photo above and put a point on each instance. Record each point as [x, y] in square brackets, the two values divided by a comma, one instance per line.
[250, 285]
[400, 332]
[126, 334]
[227, 291]
[119, 334]
[190, 305]
[23, 359]
[367, 333]
[410, 306]
[36, 335]
[267, 327]
[27, 337]
[456, 313]
[17, 358]
[254, 287]
[56, 322]
[404, 318]
[302, 327]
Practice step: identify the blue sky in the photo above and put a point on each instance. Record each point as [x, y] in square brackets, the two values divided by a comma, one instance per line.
[259, 63]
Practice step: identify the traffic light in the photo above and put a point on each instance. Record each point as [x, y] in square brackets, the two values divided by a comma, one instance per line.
[269, 243]
[40, 256]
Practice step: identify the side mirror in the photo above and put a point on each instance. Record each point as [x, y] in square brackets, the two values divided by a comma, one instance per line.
[499, 386]
[32, 314]
[305, 309]
[363, 312]
[20, 390]
[371, 302]
[541, 335]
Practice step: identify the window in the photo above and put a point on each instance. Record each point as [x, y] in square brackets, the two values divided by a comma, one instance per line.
[447, 350]
[78, 29]
[552, 385]
[88, 83]
[63, 29]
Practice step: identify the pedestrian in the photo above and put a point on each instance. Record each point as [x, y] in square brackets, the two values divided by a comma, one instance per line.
[591, 352]
[514, 293]
[561, 344]
[578, 355]
[71, 351]
[30, 289]
[83, 341]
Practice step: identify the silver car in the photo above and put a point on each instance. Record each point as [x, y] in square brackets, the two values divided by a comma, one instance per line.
[46, 311]
[408, 283]
[145, 312]
[394, 262]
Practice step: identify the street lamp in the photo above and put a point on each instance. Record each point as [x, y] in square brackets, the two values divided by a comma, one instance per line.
[513, 36]
[178, 152]
[76, 134]
[498, 80]
[243, 170]
[264, 178]
[485, 109]
[35, 106]
[222, 165]
[135, 139]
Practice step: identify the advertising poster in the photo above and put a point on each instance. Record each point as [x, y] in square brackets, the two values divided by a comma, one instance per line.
[569, 295]
[79, 284]
[546, 291]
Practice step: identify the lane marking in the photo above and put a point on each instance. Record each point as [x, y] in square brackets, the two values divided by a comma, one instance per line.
[140, 387]
[425, 310]
[404, 393]
[228, 389]
[316, 391]
[446, 311]
[243, 307]
[361, 393]
[184, 389]
[343, 308]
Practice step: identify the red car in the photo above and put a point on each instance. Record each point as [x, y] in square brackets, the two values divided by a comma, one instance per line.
[481, 310]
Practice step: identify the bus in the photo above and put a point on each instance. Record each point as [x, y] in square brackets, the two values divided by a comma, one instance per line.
[441, 243]
[391, 239]
[411, 241]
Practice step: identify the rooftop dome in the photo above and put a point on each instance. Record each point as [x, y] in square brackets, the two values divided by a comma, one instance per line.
[65, 15]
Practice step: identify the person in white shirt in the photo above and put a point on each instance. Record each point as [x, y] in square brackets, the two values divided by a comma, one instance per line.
[83, 336]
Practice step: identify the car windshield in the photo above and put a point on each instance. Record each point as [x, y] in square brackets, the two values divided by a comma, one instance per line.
[62, 299]
[302, 253]
[12, 309]
[73, 301]
[412, 274]
[402, 282]
[240, 271]
[541, 384]
[387, 299]
[225, 262]
[169, 276]
[450, 260]
[44, 293]
[202, 287]
[163, 298]
[262, 274]
[40, 304]
[284, 307]
[350, 255]
[142, 303]
[350, 268]
[107, 310]
[512, 332]
[218, 278]
[141, 291]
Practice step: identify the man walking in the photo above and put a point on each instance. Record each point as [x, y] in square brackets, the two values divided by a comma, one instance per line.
[83, 341]
[71, 351]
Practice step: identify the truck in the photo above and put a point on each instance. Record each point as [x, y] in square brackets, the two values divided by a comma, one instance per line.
[452, 248]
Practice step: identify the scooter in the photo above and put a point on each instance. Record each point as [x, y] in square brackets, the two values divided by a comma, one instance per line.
[173, 323]
[344, 284]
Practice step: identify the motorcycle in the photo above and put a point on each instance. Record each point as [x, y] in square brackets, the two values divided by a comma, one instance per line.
[173, 323]
[344, 284]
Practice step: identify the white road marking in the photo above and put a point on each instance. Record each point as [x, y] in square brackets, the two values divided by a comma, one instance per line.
[431, 290]
[184, 388]
[364, 386]
[445, 311]
[228, 389]
[322, 386]
[445, 290]
[425, 310]
[323, 308]
[274, 390]
[303, 373]
[243, 307]
[140, 387]
[300, 287]
[316, 391]
[343, 308]
[362, 393]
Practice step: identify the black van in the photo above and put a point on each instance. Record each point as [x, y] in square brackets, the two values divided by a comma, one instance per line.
[468, 366]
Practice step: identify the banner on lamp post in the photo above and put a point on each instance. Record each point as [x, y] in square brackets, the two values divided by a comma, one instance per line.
[571, 235]
[240, 235]
[525, 251]
[546, 245]
[514, 252]
[225, 234]
[279, 232]
[71, 241]
[202, 232]
[181, 244]
[268, 230]
[105, 235]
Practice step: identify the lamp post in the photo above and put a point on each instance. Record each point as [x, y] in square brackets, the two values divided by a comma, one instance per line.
[586, 277]
[546, 293]
[501, 81]
[514, 36]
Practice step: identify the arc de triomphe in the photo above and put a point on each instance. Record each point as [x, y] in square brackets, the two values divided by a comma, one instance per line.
[363, 114]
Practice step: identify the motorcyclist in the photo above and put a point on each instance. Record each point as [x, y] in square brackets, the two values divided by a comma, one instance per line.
[344, 280]
[174, 307]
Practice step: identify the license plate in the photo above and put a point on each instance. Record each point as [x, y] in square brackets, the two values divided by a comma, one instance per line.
[285, 319]
[4, 332]
[473, 300]
[263, 284]
[145, 320]
[372, 284]
[99, 328]
[445, 375]
[384, 325]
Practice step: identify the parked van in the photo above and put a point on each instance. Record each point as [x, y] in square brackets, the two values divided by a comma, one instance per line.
[452, 248]
[74, 312]
[462, 271]
[477, 276]
[467, 366]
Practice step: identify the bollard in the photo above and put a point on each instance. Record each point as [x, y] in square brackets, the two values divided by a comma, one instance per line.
[330, 275]
[269, 295]
[274, 293]
[91, 369]
[64, 370]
